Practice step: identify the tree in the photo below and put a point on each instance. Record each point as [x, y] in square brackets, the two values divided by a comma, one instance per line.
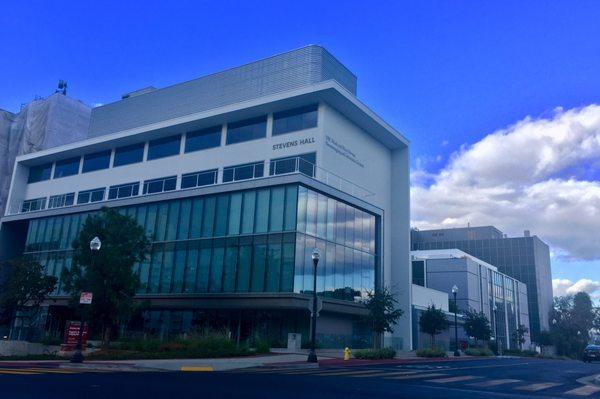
[477, 325]
[107, 273]
[519, 335]
[544, 339]
[25, 286]
[383, 314]
[433, 321]
[572, 319]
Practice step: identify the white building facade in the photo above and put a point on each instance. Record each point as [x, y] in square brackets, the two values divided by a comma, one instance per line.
[236, 177]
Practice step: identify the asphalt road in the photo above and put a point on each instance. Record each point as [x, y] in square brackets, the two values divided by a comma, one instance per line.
[491, 378]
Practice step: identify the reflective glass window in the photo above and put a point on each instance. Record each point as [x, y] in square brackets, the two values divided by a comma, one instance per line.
[67, 167]
[262, 211]
[39, 173]
[33, 205]
[304, 164]
[273, 267]
[179, 268]
[216, 269]
[258, 268]
[203, 139]
[243, 271]
[235, 210]
[203, 268]
[164, 147]
[248, 212]
[95, 195]
[96, 161]
[277, 208]
[129, 154]
[229, 269]
[221, 215]
[295, 119]
[291, 201]
[124, 190]
[199, 179]
[160, 185]
[243, 172]
[58, 201]
[250, 129]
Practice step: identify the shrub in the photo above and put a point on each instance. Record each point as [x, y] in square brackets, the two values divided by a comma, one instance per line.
[479, 352]
[375, 354]
[432, 352]
[261, 346]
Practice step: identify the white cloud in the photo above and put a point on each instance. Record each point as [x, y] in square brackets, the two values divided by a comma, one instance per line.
[562, 287]
[532, 175]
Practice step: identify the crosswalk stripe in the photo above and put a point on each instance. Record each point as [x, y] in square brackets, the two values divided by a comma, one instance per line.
[311, 371]
[347, 372]
[585, 390]
[454, 379]
[538, 387]
[413, 376]
[493, 383]
[387, 374]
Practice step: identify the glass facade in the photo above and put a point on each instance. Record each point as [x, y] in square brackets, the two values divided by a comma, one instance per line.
[129, 154]
[67, 167]
[295, 119]
[250, 129]
[203, 139]
[165, 147]
[96, 161]
[39, 173]
[257, 240]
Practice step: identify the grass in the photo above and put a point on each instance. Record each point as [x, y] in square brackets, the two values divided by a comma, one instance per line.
[375, 354]
[479, 352]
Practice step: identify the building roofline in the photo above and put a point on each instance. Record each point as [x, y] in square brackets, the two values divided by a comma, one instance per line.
[329, 91]
[449, 253]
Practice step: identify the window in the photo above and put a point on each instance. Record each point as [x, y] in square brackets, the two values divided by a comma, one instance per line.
[123, 190]
[160, 185]
[243, 172]
[304, 164]
[164, 147]
[250, 129]
[67, 167]
[199, 179]
[129, 154]
[95, 195]
[418, 272]
[33, 205]
[295, 119]
[58, 201]
[39, 173]
[203, 139]
[97, 161]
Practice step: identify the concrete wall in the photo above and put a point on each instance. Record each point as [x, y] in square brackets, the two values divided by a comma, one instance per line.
[424, 297]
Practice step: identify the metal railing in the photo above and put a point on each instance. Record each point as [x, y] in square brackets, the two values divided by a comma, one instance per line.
[292, 165]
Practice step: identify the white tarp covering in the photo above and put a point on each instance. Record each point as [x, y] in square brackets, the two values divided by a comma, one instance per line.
[41, 124]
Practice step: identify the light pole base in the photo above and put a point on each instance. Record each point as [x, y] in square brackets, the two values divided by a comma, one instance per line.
[77, 357]
[312, 357]
[457, 353]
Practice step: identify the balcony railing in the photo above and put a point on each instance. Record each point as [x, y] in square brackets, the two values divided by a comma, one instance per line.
[288, 166]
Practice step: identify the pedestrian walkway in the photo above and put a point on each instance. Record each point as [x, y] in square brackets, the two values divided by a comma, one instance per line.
[443, 375]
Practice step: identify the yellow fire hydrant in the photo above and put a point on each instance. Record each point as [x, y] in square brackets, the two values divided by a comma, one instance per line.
[346, 353]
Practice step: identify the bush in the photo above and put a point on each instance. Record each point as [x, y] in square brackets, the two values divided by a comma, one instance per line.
[48, 339]
[479, 352]
[432, 352]
[375, 354]
[261, 346]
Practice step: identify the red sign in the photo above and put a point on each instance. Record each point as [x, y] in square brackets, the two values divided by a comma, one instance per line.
[72, 335]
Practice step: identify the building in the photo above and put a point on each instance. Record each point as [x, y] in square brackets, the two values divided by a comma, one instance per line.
[481, 287]
[236, 177]
[40, 124]
[526, 259]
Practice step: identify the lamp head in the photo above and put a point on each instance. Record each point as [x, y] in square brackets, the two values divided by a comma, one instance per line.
[316, 254]
[95, 244]
[455, 289]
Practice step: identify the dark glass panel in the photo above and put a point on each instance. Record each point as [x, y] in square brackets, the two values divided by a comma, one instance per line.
[39, 173]
[165, 147]
[258, 268]
[203, 139]
[96, 161]
[246, 130]
[129, 154]
[67, 167]
[295, 119]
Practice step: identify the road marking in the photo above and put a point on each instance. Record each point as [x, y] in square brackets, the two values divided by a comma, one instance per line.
[454, 379]
[387, 374]
[348, 373]
[196, 368]
[585, 390]
[304, 371]
[493, 383]
[412, 376]
[18, 372]
[538, 387]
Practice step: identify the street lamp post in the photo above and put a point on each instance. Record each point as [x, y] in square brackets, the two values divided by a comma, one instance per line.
[498, 340]
[77, 357]
[454, 293]
[312, 355]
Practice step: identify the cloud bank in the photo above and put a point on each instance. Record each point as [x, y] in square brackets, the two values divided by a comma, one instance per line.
[538, 174]
[563, 287]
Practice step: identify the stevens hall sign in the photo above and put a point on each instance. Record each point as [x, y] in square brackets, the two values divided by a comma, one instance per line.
[293, 143]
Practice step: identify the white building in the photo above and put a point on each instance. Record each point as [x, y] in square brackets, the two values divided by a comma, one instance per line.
[236, 176]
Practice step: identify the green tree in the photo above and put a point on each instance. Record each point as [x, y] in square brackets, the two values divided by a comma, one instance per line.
[24, 287]
[519, 335]
[544, 340]
[433, 322]
[477, 325]
[572, 318]
[383, 313]
[107, 273]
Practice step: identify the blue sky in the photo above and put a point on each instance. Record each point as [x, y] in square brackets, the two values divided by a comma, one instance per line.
[447, 74]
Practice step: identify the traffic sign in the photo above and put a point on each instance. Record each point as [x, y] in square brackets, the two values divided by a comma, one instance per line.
[85, 298]
[319, 305]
